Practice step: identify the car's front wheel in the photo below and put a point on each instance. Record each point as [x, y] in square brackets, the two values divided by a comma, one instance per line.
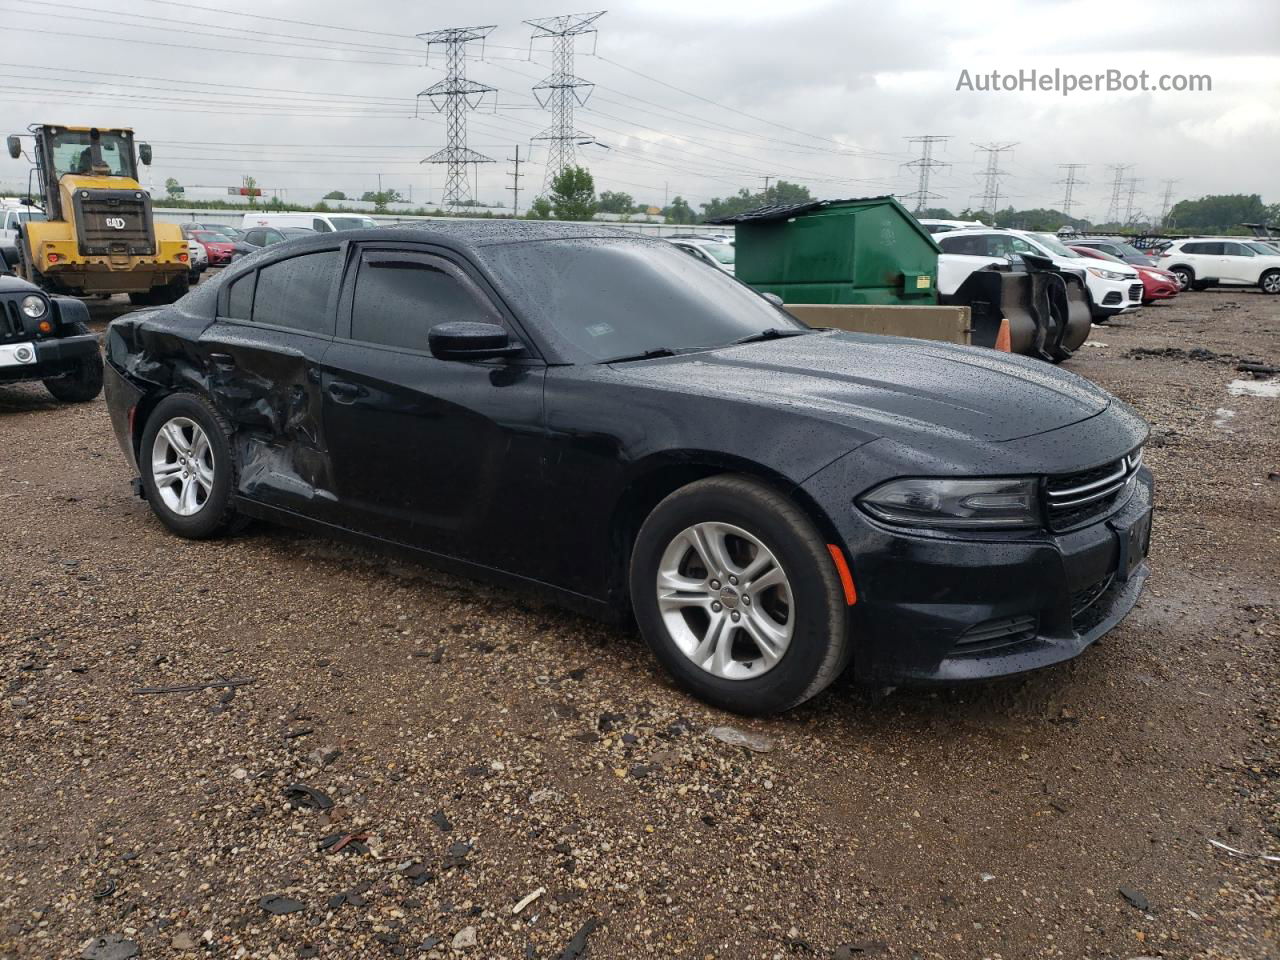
[188, 470]
[737, 595]
[1185, 276]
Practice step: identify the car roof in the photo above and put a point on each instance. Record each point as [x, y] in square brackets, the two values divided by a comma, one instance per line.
[475, 233]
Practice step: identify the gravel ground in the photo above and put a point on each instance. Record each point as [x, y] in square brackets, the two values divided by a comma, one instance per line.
[482, 749]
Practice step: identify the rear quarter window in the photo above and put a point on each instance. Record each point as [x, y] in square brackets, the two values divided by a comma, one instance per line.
[296, 293]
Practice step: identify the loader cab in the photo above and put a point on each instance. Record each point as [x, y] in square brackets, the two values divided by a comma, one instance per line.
[90, 152]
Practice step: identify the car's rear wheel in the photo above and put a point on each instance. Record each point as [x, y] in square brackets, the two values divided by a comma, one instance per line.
[1270, 282]
[736, 593]
[1185, 276]
[188, 470]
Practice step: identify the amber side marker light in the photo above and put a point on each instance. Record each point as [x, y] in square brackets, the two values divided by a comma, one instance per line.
[846, 578]
[45, 326]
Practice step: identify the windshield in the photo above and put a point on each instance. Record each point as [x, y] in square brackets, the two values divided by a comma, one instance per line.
[208, 236]
[73, 152]
[601, 298]
[219, 229]
[29, 216]
[1100, 255]
[721, 251]
[1053, 245]
[352, 223]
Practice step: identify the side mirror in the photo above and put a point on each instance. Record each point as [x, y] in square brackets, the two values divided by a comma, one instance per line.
[15, 146]
[144, 154]
[773, 298]
[471, 341]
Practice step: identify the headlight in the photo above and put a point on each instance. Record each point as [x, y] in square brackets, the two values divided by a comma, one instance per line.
[956, 503]
[1108, 274]
[34, 307]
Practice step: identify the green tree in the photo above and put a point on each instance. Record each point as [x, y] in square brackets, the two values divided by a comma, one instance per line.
[679, 211]
[1218, 213]
[380, 198]
[616, 202]
[172, 187]
[335, 195]
[781, 192]
[939, 213]
[540, 209]
[573, 194]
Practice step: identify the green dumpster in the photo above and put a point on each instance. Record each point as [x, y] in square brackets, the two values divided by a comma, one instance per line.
[868, 250]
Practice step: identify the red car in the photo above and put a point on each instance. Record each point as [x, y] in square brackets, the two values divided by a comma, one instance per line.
[218, 247]
[1157, 284]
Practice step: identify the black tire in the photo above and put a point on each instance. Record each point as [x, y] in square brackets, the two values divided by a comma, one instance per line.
[215, 514]
[84, 383]
[1200, 285]
[1186, 276]
[818, 649]
[1269, 282]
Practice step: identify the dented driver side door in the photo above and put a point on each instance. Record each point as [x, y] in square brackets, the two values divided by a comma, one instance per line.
[262, 356]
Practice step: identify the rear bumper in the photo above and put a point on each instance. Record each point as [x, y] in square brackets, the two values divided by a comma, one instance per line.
[53, 358]
[122, 401]
[935, 609]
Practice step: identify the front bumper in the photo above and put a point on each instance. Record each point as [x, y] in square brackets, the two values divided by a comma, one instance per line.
[943, 608]
[53, 358]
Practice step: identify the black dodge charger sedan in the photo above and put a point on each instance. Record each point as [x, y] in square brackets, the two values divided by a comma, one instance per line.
[598, 415]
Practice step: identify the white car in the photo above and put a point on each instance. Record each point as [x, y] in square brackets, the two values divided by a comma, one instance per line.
[1201, 262]
[197, 259]
[714, 252]
[1113, 287]
[946, 226]
[319, 222]
[11, 215]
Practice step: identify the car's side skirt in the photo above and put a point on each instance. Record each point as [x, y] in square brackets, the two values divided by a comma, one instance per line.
[580, 603]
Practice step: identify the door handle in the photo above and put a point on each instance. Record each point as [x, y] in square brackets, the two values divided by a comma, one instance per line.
[223, 359]
[346, 392]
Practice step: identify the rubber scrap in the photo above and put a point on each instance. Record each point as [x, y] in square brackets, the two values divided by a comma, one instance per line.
[279, 905]
[578, 945]
[303, 797]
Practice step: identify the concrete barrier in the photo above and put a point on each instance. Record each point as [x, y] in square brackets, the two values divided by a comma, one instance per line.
[948, 324]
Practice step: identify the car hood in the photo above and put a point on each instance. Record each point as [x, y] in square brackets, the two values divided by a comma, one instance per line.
[885, 386]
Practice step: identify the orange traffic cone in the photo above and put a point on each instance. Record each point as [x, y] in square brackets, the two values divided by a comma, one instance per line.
[1002, 338]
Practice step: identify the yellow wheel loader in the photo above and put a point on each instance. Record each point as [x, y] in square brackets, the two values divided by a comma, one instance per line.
[99, 235]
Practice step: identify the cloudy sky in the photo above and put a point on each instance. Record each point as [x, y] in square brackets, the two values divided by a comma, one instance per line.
[692, 98]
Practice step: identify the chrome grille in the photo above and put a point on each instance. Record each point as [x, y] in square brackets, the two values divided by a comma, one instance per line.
[1076, 498]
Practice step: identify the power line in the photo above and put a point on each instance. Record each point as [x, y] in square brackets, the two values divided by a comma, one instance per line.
[924, 166]
[1069, 183]
[1167, 203]
[1129, 211]
[1118, 171]
[559, 91]
[515, 183]
[992, 174]
[458, 95]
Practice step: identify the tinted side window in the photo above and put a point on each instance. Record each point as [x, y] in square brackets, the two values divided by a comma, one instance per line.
[240, 297]
[254, 237]
[399, 297]
[295, 292]
[964, 244]
[1194, 247]
[1236, 250]
[319, 226]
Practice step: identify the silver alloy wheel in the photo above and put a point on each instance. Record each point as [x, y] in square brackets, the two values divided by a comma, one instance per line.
[182, 466]
[725, 600]
[1271, 283]
[1184, 280]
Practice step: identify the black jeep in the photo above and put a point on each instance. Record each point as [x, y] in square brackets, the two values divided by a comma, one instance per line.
[46, 338]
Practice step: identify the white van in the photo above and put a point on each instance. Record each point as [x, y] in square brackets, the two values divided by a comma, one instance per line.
[319, 222]
[12, 214]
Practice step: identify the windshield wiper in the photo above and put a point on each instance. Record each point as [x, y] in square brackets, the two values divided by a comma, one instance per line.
[773, 333]
[646, 355]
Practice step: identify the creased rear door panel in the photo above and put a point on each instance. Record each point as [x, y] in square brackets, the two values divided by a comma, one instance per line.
[267, 383]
